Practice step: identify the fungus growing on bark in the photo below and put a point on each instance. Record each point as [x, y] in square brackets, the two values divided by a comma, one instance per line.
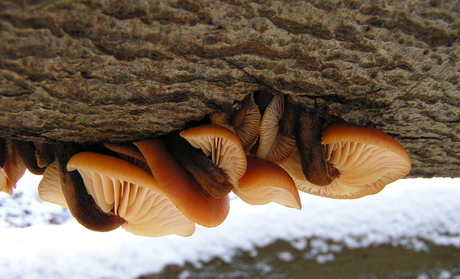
[365, 158]
[12, 168]
[244, 122]
[308, 131]
[276, 140]
[82, 206]
[184, 191]
[127, 191]
[265, 182]
[29, 156]
[212, 178]
[222, 146]
[129, 153]
[49, 188]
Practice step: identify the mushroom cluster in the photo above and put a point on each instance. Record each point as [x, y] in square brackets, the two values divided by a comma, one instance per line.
[263, 152]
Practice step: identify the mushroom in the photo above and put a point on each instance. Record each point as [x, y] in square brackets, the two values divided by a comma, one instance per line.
[29, 156]
[244, 122]
[222, 145]
[49, 188]
[12, 169]
[129, 153]
[365, 158]
[308, 132]
[127, 191]
[82, 206]
[183, 190]
[206, 173]
[265, 182]
[276, 140]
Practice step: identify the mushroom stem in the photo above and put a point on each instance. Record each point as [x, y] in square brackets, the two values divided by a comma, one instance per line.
[309, 129]
[81, 204]
[27, 153]
[205, 172]
[287, 121]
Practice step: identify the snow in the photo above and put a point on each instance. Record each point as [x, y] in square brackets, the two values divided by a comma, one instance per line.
[408, 213]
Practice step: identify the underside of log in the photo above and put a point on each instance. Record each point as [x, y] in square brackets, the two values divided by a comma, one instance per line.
[94, 71]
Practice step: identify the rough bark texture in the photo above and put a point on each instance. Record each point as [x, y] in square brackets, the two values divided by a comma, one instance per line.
[113, 70]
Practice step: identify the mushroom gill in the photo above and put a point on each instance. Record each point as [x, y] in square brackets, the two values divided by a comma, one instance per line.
[206, 173]
[131, 193]
[222, 146]
[50, 188]
[276, 143]
[244, 122]
[366, 160]
[12, 169]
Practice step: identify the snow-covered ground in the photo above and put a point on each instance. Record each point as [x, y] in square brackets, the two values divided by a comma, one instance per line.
[409, 213]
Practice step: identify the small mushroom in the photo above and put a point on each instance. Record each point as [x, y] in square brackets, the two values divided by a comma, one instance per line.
[244, 122]
[222, 146]
[206, 173]
[276, 142]
[12, 169]
[50, 188]
[265, 182]
[183, 190]
[28, 154]
[127, 191]
[365, 158]
[82, 206]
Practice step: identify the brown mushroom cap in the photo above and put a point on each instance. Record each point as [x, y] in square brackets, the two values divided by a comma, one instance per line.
[265, 182]
[130, 193]
[182, 189]
[273, 144]
[366, 158]
[222, 145]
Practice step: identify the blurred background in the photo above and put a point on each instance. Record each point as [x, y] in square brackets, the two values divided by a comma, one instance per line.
[409, 230]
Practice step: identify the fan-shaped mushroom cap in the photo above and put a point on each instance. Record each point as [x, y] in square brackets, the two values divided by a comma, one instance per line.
[244, 122]
[222, 145]
[130, 193]
[265, 182]
[366, 158]
[273, 145]
[183, 190]
[49, 188]
[12, 170]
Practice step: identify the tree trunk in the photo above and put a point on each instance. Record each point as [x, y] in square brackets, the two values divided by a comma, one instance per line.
[111, 70]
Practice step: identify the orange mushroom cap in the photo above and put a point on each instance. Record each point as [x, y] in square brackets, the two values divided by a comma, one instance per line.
[265, 182]
[183, 190]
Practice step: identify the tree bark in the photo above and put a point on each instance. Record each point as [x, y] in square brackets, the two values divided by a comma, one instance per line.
[111, 71]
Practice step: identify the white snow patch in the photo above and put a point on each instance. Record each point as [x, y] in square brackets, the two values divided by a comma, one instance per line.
[408, 213]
